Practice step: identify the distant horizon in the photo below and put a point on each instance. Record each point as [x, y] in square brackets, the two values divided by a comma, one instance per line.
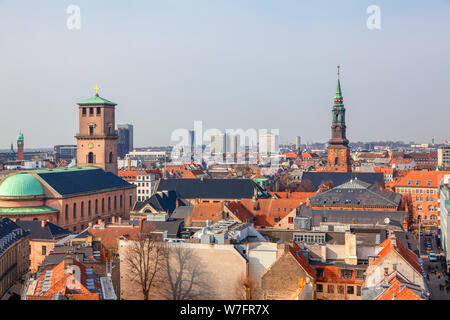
[258, 64]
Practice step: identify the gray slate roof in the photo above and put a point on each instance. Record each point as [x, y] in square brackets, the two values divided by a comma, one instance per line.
[372, 217]
[338, 178]
[212, 188]
[357, 193]
[50, 231]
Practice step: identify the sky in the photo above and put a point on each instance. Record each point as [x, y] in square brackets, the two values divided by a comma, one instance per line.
[262, 64]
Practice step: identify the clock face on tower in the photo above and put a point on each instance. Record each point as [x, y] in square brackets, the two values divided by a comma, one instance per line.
[90, 145]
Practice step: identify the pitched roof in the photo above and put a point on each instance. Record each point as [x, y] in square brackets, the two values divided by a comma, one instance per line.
[356, 193]
[50, 231]
[372, 217]
[407, 254]
[297, 254]
[96, 100]
[211, 188]
[67, 181]
[421, 179]
[206, 211]
[239, 210]
[161, 201]
[55, 283]
[399, 290]
[338, 178]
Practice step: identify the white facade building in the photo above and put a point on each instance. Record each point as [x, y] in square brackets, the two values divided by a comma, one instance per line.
[146, 184]
[268, 144]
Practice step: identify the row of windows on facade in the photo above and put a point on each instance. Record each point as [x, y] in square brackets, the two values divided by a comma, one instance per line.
[74, 210]
[430, 208]
[340, 289]
[91, 111]
[416, 191]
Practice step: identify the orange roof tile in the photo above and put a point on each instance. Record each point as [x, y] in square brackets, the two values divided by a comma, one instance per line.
[423, 179]
[206, 211]
[297, 254]
[398, 292]
[407, 254]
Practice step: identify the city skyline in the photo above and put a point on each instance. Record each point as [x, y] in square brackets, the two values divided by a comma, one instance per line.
[166, 63]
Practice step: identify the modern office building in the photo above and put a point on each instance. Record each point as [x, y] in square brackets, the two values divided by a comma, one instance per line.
[64, 152]
[123, 143]
[268, 144]
[130, 129]
[218, 144]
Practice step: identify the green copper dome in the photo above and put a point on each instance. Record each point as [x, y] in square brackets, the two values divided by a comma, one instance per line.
[20, 137]
[21, 185]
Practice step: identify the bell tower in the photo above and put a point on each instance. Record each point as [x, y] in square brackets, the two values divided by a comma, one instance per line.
[97, 137]
[20, 152]
[339, 159]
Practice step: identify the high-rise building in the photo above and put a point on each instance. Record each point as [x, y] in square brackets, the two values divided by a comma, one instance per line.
[123, 143]
[338, 150]
[20, 142]
[130, 129]
[268, 144]
[233, 144]
[218, 144]
[298, 143]
[97, 138]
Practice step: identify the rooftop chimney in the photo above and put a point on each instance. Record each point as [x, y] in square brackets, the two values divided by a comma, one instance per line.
[393, 240]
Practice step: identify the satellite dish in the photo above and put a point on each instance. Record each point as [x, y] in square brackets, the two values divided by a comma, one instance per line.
[387, 220]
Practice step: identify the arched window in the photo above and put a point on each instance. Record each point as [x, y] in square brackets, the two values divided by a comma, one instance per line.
[110, 157]
[115, 202]
[336, 160]
[96, 206]
[74, 210]
[103, 205]
[419, 208]
[66, 212]
[89, 208]
[109, 204]
[82, 209]
[433, 217]
[120, 202]
[91, 157]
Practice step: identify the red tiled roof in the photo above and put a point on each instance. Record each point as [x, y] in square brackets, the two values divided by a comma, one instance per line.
[296, 253]
[60, 282]
[423, 177]
[398, 292]
[206, 211]
[407, 254]
[239, 210]
[266, 210]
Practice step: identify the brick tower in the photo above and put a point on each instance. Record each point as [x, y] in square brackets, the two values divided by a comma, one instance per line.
[20, 141]
[338, 151]
[97, 137]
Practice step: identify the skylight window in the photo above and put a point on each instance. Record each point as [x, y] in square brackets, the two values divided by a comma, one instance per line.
[417, 182]
[429, 183]
[409, 182]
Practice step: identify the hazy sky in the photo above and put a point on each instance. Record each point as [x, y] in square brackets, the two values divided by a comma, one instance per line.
[231, 63]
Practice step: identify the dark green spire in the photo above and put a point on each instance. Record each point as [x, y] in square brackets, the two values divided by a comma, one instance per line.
[338, 97]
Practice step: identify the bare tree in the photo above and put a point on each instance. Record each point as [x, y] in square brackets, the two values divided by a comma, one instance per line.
[185, 277]
[247, 288]
[146, 259]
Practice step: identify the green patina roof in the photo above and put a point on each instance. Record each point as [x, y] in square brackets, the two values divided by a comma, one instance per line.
[20, 137]
[55, 170]
[96, 100]
[26, 210]
[21, 185]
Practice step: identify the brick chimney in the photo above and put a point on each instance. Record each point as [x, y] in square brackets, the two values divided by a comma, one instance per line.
[393, 240]
[68, 260]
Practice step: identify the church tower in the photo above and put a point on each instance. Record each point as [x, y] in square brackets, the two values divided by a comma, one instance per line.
[20, 141]
[338, 151]
[97, 137]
